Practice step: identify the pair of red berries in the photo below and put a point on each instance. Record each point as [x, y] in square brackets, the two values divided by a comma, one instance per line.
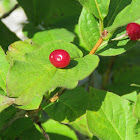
[61, 58]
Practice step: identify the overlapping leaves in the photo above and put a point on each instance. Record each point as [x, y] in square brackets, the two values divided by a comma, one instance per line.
[89, 31]
[110, 116]
[97, 7]
[33, 75]
[122, 17]
[71, 105]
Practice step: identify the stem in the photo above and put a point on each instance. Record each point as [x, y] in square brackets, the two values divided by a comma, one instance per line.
[101, 26]
[120, 37]
[99, 42]
[57, 95]
[46, 136]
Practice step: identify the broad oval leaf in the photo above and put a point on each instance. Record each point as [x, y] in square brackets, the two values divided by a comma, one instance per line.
[109, 116]
[89, 29]
[129, 14]
[36, 75]
[97, 7]
[42, 36]
[4, 67]
[70, 106]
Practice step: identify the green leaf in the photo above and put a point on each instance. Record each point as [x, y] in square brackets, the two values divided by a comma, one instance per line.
[137, 131]
[36, 75]
[44, 36]
[6, 36]
[16, 128]
[116, 47]
[18, 49]
[137, 107]
[70, 106]
[34, 104]
[109, 116]
[114, 8]
[5, 102]
[81, 126]
[89, 29]
[2, 92]
[122, 18]
[6, 115]
[49, 12]
[4, 67]
[58, 131]
[32, 134]
[97, 7]
[131, 96]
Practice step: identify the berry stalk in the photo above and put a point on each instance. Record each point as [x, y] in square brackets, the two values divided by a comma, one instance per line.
[99, 42]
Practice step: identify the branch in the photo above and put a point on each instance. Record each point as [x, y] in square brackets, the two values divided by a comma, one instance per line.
[99, 42]
[46, 136]
[57, 95]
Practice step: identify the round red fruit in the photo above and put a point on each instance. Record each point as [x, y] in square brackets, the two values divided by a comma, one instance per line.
[133, 31]
[60, 58]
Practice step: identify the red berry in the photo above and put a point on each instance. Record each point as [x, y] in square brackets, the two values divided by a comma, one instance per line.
[59, 58]
[133, 31]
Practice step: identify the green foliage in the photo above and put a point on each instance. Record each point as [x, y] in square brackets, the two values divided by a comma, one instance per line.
[52, 34]
[20, 129]
[81, 126]
[89, 34]
[4, 66]
[58, 131]
[40, 101]
[136, 108]
[97, 7]
[137, 131]
[51, 11]
[116, 47]
[6, 115]
[110, 116]
[122, 17]
[38, 62]
[70, 106]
